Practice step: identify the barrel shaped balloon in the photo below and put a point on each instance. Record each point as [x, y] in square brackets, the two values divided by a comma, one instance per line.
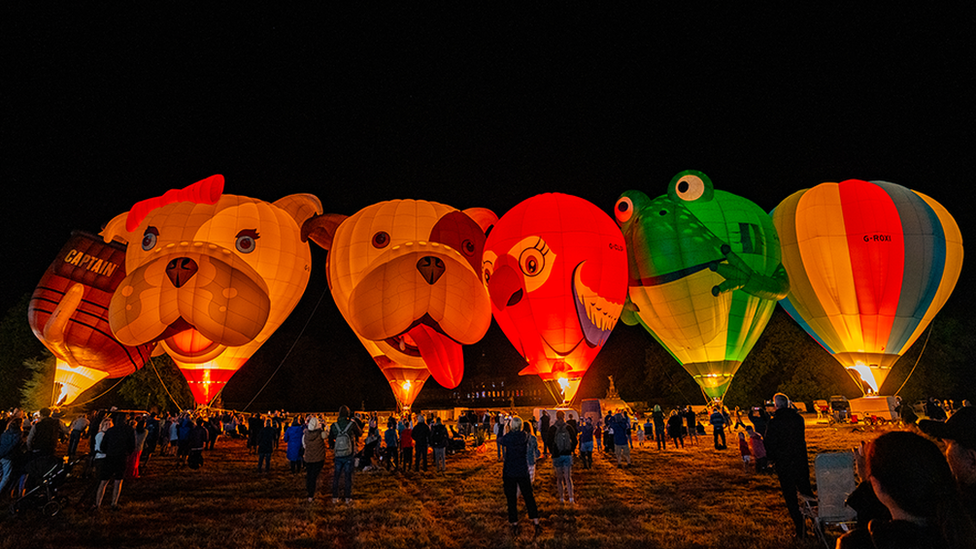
[209, 276]
[68, 312]
[705, 274]
[406, 276]
[556, 270]
[871, 263]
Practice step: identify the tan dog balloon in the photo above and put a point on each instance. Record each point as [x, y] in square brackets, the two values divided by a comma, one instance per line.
[406, 275]
[210, 276]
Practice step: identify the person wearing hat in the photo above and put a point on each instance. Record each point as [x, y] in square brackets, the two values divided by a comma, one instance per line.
[959, 434]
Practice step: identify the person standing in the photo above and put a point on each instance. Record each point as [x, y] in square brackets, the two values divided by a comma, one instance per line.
[659, 435]
[516, 478]
[343, 439]
[717, 419]
[11, 442]
[438, 441]
[544, 422]
[562, 440]
[392, 441]
[421, 440]
[196, 441]
[621, 427]
[691, 418]
[786, 449]
[293, 445]
[118, 442]
[78, 428]
[674, 428]
[313, 441]
[266, 444]
[586, 443]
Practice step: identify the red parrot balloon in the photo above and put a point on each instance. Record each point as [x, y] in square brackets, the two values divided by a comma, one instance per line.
[555, 267]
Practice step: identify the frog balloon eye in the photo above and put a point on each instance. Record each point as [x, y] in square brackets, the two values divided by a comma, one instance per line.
[624, 209]
[689, 188]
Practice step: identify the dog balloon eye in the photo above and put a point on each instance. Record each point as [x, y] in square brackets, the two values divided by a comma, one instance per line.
[467, 247]
[149, 238]
[246, 241]
[381, 239]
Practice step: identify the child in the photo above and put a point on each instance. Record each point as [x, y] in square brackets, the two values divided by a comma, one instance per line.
[640, 436]
[758, 449]
[744, 450]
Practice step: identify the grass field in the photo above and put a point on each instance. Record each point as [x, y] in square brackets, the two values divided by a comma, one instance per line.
[694, 497]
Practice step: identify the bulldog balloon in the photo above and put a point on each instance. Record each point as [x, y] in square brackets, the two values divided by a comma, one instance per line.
[68, 312]
[210, 276]
[556, 270]
[406, 276]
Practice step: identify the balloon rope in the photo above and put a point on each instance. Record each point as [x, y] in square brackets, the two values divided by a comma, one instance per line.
[153, 364]
[284, 358]
[927, 336]
[76, 405]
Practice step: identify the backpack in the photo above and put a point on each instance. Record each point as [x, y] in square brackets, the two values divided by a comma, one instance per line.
[562, 440]
[438, 436]
[343, 442]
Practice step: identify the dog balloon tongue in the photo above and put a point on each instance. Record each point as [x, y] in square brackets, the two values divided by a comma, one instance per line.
[443, 356]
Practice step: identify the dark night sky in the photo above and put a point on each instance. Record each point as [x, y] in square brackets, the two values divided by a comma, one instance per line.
[103, 107]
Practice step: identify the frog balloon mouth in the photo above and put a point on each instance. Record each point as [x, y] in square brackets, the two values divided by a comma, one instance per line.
[672, 276]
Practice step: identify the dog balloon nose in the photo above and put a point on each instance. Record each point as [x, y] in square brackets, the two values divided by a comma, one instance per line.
[431, 268]
[181, 270]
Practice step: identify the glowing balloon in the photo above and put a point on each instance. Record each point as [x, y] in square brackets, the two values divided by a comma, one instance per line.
[871, 263]
[68, 312]
[406, 276]
[556, 271]
[210, 276]
[705, 274]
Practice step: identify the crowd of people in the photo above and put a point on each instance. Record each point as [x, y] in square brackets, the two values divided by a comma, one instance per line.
[899, 470]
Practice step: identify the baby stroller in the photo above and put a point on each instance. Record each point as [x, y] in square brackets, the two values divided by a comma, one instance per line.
[45, 494]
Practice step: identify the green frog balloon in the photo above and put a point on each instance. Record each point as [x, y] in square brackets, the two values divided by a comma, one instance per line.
[705, 274]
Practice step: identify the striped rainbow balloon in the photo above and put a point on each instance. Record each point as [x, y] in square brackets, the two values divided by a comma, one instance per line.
[870, 264]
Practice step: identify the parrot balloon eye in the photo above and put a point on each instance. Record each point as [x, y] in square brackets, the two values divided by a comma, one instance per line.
[532, 261]
[468, 248]
[624, 209]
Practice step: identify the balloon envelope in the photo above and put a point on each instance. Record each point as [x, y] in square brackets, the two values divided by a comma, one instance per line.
[68, 312]
[556, 271]
[405, 274]
[871, 263]
[210, 276]
[705, 274]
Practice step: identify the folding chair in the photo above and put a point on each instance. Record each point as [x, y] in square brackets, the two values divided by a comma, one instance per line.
[835, 481]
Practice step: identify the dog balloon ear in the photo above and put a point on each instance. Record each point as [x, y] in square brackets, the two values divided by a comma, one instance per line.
[484, 217]
[115, 229]
[301, 207]
[321, 229]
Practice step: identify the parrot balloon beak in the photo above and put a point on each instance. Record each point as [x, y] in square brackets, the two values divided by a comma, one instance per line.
[505, 287]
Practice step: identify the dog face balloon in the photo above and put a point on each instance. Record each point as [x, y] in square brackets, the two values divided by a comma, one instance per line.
[556, 270]
[210, 276]
[406, 276]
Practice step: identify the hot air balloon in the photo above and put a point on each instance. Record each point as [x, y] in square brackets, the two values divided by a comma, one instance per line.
[705, 274]
[406, 276]
[556, 270]
[870, 263]
[209, 276]
[68, 312]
